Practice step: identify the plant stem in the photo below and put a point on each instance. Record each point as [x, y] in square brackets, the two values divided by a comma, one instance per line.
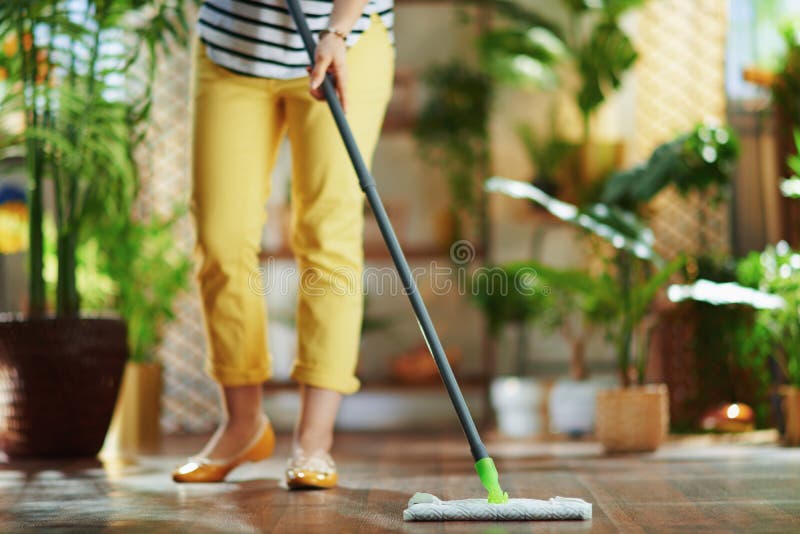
[522, 349]
[626, 332]
[702, 221]
[33, 155]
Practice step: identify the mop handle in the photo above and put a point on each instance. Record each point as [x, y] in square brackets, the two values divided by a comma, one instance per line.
[367, 183]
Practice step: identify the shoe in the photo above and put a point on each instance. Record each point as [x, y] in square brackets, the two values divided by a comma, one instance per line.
[311, 471]
[198, 469]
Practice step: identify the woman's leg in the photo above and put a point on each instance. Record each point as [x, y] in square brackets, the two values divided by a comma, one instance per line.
[238, 124]
[318, 409]
[241, 420]
[327, 232]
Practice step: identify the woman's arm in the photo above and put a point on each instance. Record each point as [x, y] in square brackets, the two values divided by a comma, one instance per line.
[331, 50]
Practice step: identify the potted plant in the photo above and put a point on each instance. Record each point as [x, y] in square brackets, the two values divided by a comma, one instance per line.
[70, 76]
[547, 156]
[529, 48]
[634, 417]
[775, 339]
[577, 303]
[700, 161]
[510, 295]
[147, 274]
[452, 134]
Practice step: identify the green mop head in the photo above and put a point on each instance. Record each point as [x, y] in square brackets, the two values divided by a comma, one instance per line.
[498, 507]
[491, 480]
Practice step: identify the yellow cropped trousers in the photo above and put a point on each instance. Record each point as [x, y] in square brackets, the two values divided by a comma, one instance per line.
[239, 123]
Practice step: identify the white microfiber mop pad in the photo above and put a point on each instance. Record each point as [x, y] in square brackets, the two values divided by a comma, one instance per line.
[427, 507]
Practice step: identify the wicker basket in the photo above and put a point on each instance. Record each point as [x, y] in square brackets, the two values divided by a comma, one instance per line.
[633, 419]
[58, 383]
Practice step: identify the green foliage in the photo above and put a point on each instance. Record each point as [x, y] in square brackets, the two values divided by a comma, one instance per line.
[523, 292]
[790, 187]
[522, 56]
[533, 47]
[452, 132]
[622, 295]
[637, 287]
[786, 86]
[529, 48]
[148, 274]
[776, 333]
[81, 74]
[71, 77]
[694, 161]
[623, 230]
[602, 61]
[571, 290]
[547, 155]
[132, 267]
[508, 294]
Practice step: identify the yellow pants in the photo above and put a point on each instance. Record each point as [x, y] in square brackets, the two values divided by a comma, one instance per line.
[239, 123]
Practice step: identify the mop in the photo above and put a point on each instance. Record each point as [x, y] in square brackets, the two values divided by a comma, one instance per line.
[423, 506]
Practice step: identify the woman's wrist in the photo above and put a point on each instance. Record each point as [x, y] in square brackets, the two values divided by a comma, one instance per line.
[334, 31]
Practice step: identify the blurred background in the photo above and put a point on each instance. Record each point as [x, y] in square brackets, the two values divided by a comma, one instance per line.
[628, 165]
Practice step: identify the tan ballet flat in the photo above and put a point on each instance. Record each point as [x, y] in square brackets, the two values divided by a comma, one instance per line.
[314, 471]
[198, 469]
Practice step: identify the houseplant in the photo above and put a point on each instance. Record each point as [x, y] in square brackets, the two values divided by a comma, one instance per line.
[776, 334]
[547, 155]
[148, 273]
[80, 78]
[510, 295]
[698, 162]
[634, 417]
[578, 305]
[531, 49]
[452, 134]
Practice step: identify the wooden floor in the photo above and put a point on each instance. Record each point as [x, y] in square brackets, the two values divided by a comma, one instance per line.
[686, 487]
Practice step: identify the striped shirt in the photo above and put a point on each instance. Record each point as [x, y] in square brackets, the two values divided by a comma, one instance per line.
[259, 38]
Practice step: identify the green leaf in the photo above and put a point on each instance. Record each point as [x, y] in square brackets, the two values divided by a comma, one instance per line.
[618, 227]
[602, 62]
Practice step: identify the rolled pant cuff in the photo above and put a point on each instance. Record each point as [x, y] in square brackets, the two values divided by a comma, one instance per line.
[238, 377]
[312, 377]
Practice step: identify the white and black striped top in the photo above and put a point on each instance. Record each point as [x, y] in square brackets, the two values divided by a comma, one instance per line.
[259, 38]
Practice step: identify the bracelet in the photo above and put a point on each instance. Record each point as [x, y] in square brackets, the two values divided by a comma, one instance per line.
[334, 31]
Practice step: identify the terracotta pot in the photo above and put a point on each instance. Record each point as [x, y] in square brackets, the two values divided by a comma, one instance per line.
[135, 426]
[58, 383]
[791, 414]
[633, 419]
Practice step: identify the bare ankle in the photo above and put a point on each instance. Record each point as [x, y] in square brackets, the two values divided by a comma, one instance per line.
[242, 422]
[311, 441]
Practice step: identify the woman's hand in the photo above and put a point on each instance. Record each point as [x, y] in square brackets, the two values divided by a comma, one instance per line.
[330, 57]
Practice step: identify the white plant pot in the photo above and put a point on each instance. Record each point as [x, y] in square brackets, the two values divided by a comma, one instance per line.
[572, 404]
[517, 403]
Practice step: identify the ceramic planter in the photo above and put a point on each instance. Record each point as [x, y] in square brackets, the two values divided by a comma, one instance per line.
[518, 404]
[571, 404]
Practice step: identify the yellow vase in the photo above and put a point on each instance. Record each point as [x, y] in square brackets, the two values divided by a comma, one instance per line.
[135, 427]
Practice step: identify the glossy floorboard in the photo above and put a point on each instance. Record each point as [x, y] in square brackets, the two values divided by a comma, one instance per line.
[682, 488]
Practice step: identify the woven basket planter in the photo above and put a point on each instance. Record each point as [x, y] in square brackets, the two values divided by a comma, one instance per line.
[58, 384]
[633, 419]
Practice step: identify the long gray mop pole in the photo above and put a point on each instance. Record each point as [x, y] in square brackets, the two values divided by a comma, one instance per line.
[367, 183]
